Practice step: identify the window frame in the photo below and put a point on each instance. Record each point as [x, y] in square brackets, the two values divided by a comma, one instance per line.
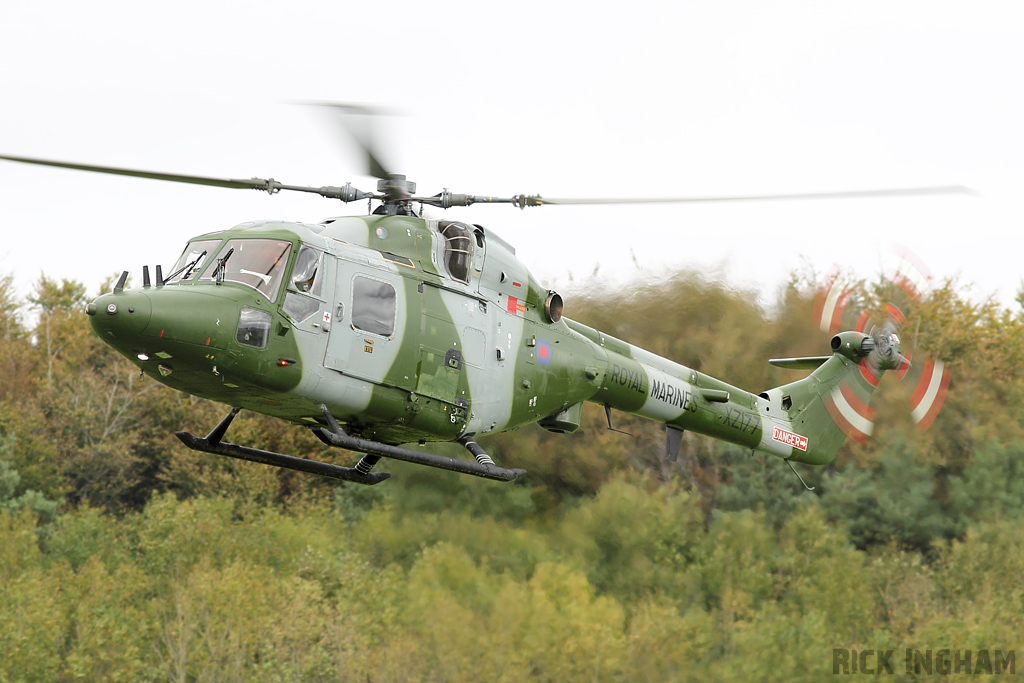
[264, 318]
[316, 291]
[275, 288]
[196, 273]
[461, 232]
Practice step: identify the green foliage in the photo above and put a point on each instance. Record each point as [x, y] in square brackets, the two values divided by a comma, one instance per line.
[9, 481]
[52, 297]
[895, 502]
[387, 538]
[414, 490]
[667, 644]
[738, 570]
[31, 621]
[215, 589]
[761, 482]
[633, 542]
[821, 572]
[86, 535]
[992, 485]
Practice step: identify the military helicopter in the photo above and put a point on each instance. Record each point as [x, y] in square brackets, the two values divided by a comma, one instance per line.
[393, 328]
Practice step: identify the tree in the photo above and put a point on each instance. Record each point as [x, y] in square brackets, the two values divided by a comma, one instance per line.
[895, 502]
[9, 480]
[992, 485]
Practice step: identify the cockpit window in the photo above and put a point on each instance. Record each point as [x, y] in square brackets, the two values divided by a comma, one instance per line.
[257, 263]
[253, 328]
[196, 255]
[299, 308]
[306, 275]
[458, 249]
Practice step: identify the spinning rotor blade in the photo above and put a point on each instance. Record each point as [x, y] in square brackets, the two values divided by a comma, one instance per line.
[830, 303]
[346, 193]
[929, 393]
[930, 377]
[361, 130]
[851, 412]
[536, 200]
[849, 403]
[252, 184]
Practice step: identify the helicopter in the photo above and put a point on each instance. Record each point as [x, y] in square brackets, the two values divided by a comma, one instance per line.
[394, 328]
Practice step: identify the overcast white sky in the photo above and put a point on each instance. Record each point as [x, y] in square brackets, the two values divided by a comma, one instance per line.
[561, 99]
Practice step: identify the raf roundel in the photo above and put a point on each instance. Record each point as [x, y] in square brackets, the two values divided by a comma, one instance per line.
[543, 352]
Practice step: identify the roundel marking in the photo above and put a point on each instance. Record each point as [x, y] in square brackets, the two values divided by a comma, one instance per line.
[382, 233]
[543, 352]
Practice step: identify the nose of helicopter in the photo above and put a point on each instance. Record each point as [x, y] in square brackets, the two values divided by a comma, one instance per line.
[120, 316]
[192, 324]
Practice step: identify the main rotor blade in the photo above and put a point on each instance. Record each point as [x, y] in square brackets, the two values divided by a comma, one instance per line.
[269, 185]
[173, 177]
[362, 134]
[901, 192]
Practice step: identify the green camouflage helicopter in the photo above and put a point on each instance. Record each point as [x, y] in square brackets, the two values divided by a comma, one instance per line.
[394, 328]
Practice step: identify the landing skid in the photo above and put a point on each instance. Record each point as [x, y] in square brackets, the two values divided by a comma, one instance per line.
[336, 437]
[484, 467]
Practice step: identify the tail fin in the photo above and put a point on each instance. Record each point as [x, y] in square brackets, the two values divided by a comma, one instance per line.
[831, 404]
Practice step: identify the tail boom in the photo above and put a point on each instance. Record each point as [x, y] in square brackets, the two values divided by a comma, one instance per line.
[806, 421]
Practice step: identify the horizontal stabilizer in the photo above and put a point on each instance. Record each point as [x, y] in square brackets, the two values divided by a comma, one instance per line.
[805, 363]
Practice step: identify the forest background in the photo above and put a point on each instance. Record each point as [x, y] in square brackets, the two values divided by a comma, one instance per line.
[124, 556]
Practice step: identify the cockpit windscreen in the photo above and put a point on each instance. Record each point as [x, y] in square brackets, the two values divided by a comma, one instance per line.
[257, 263]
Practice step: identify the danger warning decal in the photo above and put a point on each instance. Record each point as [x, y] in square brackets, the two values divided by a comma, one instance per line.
[789, 438]
[514, 306]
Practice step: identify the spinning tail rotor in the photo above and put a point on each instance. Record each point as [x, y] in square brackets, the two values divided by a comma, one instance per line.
[881, 349]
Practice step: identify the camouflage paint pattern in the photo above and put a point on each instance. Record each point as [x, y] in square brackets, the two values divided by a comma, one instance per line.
[468, 355]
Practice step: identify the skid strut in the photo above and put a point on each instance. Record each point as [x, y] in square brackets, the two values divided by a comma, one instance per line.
[334, 435]
[213, 444]
[484, 467]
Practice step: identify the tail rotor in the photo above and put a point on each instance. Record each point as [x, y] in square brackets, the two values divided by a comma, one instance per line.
[881, 350]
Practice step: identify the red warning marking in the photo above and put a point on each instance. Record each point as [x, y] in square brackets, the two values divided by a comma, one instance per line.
[789, 438]
[207, 341]
[161, 334]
